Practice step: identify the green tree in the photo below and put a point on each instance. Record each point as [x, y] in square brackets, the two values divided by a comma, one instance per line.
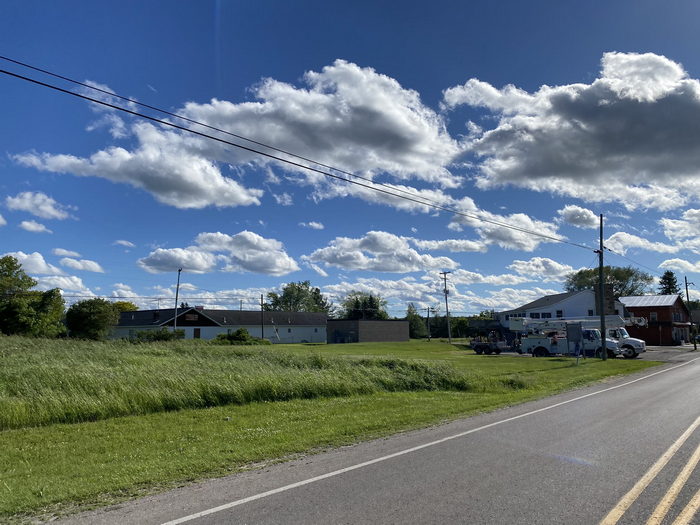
[298, 297]
[625, 281]
[13, 280]
[91, 319]
[125, 306]
[24, 311]
[363, 305]
[668, 285]
[416, 324]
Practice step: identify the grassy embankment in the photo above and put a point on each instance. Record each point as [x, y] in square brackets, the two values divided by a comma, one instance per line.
[88, 423]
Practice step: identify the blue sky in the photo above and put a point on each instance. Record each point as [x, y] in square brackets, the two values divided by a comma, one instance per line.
[540, 115]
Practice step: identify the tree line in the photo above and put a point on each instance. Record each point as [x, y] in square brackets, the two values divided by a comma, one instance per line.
[24, 311]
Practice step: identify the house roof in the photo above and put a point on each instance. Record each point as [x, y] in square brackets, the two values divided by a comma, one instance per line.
[544, 302]
[222, 317]
[649, 300]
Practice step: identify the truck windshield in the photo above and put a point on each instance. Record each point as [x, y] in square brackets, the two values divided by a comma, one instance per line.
[623, 332]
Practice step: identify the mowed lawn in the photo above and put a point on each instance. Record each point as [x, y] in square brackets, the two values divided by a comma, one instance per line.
[85, 424]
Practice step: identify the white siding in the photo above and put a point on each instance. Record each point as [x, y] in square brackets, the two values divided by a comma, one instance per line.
[282, 334]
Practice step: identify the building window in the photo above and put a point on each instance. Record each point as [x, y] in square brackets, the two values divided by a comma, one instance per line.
[289, 330]
[590, 313]
[677, 316]
[315, 330]
[546, 315]
[191, 317]
[534, 315]
[653, 317]
[560, 313]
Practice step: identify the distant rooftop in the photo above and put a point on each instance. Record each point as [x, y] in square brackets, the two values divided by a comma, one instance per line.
[649, 300]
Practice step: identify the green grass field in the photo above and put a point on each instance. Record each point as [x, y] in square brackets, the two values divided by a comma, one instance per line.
[87, 423]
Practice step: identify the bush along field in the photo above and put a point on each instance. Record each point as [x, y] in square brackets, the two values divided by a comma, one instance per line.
[86, 423]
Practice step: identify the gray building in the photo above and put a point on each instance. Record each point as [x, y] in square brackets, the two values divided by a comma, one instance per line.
[364, 331]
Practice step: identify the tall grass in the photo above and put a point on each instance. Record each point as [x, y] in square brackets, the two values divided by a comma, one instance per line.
[50, 381]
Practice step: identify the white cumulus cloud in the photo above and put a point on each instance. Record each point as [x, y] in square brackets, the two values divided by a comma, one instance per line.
[249, 252]
[61, 252]
[630, 136]
[578, 216]
[82, 264]
[542, 268]
[38, 204]
[377, 251]
[35, 264]
[34, 227]
[621, 242]
[191, 260]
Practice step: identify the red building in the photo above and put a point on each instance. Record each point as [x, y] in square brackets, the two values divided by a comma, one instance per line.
[668, 318]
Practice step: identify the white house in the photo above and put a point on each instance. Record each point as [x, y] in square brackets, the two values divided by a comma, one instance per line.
[569, 304]
[201, 323]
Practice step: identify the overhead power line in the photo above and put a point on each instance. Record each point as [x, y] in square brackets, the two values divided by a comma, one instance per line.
[348, 178]
[652, 270]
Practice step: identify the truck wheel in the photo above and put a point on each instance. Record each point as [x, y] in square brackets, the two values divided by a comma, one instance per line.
[611, 354]
[628, 352]
[479, 351]
[540, 351]
[497, 352]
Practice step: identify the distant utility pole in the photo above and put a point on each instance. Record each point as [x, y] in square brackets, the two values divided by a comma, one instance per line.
[262, 318]
[177, 293]
[241, 307]
[692, 325]
[601, 296]
[447, 307]
[428, 319]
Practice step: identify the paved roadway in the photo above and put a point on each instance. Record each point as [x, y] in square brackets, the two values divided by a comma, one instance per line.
[610, 453]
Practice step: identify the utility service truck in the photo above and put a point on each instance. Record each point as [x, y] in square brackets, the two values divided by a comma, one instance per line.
[546, 337]
[543, 337]
[629, 347]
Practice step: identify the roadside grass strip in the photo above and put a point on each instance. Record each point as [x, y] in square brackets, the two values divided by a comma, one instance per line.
[88, 424]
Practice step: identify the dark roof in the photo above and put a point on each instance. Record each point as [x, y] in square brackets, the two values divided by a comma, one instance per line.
[543, 302]
[222, 317]
[148, 317]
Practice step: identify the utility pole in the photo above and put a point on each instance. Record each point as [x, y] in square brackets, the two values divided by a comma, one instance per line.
[177, 293]
[447, 308]
[601, 296]
[241, 306]
[428, 321]
[692, 325]
[262, 318]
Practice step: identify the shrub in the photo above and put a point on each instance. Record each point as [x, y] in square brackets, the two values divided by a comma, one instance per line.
[150, 336]
[240, 337]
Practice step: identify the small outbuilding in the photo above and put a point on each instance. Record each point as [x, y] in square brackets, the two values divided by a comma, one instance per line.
[365, 331]
[668, 318]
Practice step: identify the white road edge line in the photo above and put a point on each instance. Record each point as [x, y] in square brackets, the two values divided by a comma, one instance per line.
[291, 486]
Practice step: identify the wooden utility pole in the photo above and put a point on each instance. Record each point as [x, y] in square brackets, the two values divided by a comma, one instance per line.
[447, 307]
[262, 318]
[177, 293]
[601, 296]
[692, 325]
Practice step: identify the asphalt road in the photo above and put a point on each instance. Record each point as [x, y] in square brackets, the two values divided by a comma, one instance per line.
[610, 453]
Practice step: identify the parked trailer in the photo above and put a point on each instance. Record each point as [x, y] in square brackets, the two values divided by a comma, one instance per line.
[495, 344]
